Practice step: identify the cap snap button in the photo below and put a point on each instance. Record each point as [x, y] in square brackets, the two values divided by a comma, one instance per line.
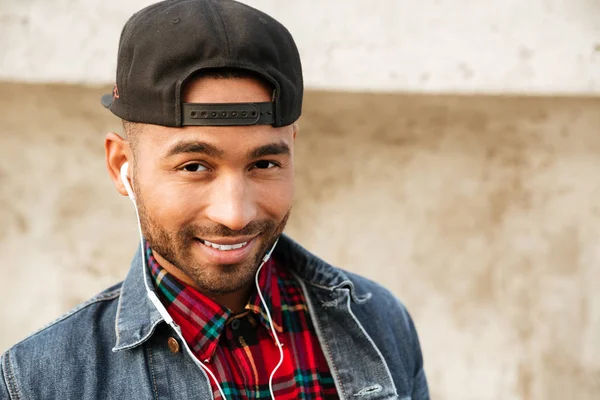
[173, 345]
[235, 324]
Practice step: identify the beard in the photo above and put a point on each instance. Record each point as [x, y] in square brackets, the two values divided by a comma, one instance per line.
[177, 247]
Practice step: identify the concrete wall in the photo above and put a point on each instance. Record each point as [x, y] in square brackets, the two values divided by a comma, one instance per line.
[480, 213]
[533, 46]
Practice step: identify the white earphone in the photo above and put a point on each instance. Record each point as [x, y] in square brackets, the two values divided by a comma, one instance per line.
[125, 180]
[124, 172]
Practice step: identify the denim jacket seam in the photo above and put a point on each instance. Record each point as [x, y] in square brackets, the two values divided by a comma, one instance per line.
[316, 285]
[347, 283]
[118, 313]
[151, 365]
[9, 377]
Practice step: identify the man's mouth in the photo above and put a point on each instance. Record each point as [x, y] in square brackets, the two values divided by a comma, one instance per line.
[224, 247]
[227, 250]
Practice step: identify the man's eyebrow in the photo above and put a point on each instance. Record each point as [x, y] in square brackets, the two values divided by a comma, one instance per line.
[195, 147]
[272, 149]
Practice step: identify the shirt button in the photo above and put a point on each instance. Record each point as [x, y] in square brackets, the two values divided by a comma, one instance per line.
[173, 345]
[235, 324]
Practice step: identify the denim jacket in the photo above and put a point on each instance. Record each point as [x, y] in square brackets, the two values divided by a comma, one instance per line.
[115, 346]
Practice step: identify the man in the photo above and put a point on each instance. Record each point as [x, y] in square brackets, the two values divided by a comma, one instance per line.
[217, 303]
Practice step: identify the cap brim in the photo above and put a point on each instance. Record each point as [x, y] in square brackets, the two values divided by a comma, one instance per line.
[107, 100]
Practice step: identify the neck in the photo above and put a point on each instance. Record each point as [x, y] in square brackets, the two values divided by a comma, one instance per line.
[236, 301]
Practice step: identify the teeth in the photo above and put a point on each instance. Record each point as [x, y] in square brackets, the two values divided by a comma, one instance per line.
[225, 247]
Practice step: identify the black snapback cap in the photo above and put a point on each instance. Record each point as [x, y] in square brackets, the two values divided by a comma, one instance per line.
[165, 44]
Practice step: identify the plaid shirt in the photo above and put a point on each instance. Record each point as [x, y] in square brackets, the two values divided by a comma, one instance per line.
[239, 348]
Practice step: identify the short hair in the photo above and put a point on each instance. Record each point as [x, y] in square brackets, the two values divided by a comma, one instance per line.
[130, 128]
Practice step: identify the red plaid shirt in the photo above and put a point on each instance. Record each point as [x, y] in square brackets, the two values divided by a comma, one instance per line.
[239, 348]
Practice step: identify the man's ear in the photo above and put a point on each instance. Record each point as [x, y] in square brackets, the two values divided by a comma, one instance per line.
[117, 152]
[295, 128]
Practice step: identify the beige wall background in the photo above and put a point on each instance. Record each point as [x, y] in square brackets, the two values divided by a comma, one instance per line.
[481, 213]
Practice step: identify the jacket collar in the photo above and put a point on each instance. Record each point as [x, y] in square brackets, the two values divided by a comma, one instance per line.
[137, 318]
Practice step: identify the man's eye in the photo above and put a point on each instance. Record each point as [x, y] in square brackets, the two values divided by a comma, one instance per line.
[194, 167]
[264, 164]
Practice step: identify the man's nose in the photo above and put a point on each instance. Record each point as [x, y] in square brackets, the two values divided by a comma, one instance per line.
[232, 203]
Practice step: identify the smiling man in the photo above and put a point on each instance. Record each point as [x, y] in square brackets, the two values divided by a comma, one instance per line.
[218, 303]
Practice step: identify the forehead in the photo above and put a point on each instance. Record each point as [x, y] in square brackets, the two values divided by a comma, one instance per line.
[229, 139]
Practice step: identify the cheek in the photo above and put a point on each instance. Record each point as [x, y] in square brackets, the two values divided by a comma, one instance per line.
[172, 206]
[275, 199]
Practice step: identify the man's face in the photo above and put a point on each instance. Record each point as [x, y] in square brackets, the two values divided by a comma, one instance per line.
[213, 200]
